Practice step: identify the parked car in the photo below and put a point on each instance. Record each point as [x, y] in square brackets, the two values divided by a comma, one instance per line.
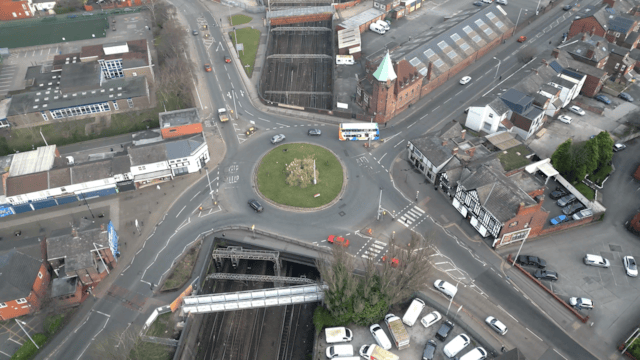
[456, 345]
[384, 24]
[314, 132]
[496, 325]
[502, 2]
[531, 260]
[558, 219]
[445, 330]
[596, 260]
[487, 1]
[619, 147]
[566, 200]
[381, 338]
[465, 80]
[430, 319]
[338, 351]
[332, 239]
[602, 98]
[567, 7]
[572, 208]
[195, 32]
[582, 214]
[581, 303]
[578, 110]
[625, 96]
[478, 3]
[558, 193]
[630, 266]
[277, 138]
[446, 288]
[565, 119]
[429, 350]
[255, 205]
[545, 275]
[475, 354]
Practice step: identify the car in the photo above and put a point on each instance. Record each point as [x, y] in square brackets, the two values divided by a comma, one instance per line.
[582, 214]
[487, 1]
[444, 330]
[630, 266]
[496, 325]
[565, 119]
[338, 240]
[446, 288]
[545, 275]
[596, 260]
[207, 67]
[581, 303]
[456, 345]
[381, 338]
[430, 319]
[502, 2]
[572, 208]
[429, 350]
[522, 39]
[558, 193]
[578, 110]
[619, 147]
[87, 14]
[475, 354]
[255, 205]
[558, 219]
[465, 80]
[113, 28]
[625, 96]
[478, 3]
[567, 7]
[227, 59]
[195, 32]
[602, 98]
[384, 24]
[314, 132]
[277, 138]
[566, 200]
[531, 260]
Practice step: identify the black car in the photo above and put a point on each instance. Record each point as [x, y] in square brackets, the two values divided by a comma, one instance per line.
[572, 208]
[478, 3]
[444, 330]
[546, 275]
[531, 260]
[255, 205]
[567, 7]
[558, 193]
[429, 350]
[314, 132]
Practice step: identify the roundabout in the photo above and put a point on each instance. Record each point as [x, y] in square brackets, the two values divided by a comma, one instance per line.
[300, 176]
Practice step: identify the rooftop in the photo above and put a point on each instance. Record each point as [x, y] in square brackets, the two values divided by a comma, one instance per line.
[63, 286]
[348, 38]
[18, 272]
[29, 162]
[385, 70]
[174, 148]
[300, 11]
[178, 117]
[362, 18]
[134, 53]
[77, 251]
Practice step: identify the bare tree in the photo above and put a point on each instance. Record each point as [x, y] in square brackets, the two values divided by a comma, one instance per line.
[338, 272]
[118, 345]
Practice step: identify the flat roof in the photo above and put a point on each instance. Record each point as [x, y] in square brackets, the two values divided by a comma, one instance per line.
[178, 117]
[348, 37]
[170, 149]
[77, 250]
[362, 18]
[503, 140]
[300, 11]
[137, 56]
[34, 161]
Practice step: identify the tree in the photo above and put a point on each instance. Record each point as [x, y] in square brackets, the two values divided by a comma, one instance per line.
[526, 54]
[561, 158]
[589, 155]
[605, 148]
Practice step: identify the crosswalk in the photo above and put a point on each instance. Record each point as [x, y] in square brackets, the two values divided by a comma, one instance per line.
[412, 215]
[374, 250]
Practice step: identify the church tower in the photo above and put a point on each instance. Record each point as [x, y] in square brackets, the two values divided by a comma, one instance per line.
[383, 96]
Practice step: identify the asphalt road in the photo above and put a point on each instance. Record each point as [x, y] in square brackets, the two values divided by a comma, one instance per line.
[367, 173]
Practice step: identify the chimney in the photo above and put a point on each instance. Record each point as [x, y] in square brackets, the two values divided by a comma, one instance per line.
[598, 44]
[462, 134]
[544, 61]
[520, 208]
[584, 36]
[429, 70]
[555, 53]
[593, 30]
[471, 151]
[454, 151]
[444, 142]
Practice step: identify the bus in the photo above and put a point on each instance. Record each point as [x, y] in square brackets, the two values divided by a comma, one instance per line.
[358, 131]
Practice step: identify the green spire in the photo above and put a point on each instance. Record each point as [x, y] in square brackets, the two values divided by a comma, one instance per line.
[385, 70]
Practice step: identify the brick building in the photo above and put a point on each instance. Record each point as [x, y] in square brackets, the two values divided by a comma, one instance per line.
[606, 22]
[13, 10]
[179, 123]
[24, 281]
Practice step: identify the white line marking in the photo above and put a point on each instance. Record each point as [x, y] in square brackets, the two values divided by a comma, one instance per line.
[558, 353]
[401, 141]
[537, 336]
[181, 210]
[505, 311]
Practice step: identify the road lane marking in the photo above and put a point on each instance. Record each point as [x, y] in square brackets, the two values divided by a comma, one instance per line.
[558, 353]
[181, 210]
[402, 141]
[505, 311]
[538, 337]
[424, 116]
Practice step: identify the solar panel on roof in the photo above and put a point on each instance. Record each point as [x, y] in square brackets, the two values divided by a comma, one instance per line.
[611, 10]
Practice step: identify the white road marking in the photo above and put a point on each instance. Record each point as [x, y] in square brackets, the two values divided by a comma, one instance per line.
[181, 210]
[505, 311]
[538, 337]
[401, 141]
[558, 353]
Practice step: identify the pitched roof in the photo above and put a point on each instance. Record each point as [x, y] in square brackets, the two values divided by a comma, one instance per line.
[25, 184]
[620, 24]
[18, 272]
[431, 147]
[498, 106]
[77, 250]
[385, 70]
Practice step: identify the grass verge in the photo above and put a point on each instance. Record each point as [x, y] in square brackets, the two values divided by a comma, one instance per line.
[586, 191]
[240, 19]
[250, 38]
[181, 273]
[28, 350]
[272, 176]
[514, 158]
[160, 326]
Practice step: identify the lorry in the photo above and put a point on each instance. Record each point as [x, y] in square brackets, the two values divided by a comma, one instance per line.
[337, 335]
[222, 115]
[398, 331]
[375, 352]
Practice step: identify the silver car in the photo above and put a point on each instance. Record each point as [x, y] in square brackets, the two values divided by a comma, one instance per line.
[630, 266]
[277, 138]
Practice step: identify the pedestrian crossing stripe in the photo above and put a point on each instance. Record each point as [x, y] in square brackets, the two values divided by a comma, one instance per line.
[377, 246]
[418, 209]
[380, 242]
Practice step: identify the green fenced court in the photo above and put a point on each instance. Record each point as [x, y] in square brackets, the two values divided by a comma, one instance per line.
[52, 30]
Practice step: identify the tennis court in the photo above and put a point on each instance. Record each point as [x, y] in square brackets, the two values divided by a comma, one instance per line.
[52, 30]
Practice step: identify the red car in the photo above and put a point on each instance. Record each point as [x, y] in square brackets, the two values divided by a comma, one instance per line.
[394, 262]
[522, 39]
[338, 240]
[227, 59]
[207, 67]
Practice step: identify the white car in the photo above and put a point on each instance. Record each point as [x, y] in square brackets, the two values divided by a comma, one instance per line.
[431, 319]
[578, 110]
[581, 303]
[456, 345]
[379, 335]
[465, 80]
[565, 119]
[496, 325]
[630, 266]
[277, 138]
[487, 1]
[384, 24]
[502, 2]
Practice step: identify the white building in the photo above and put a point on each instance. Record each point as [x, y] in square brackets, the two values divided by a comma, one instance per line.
[490, 118]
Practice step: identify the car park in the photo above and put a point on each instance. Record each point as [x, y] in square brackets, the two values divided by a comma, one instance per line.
[558, 219]
[314, 132]
[380, 337]
[475, 354]
[581, 303]
[531, 260]
[558, 193]
[255, 205]
[413, 312]
[603, 99]
[596, 260]
[630, 266]
[444, 330]
[446, 288]
[456, 345]
[565, 119]
[572, 208]
[545, 275]
[619, 147]
[496, 325]
[277, 138]
[430, 319]
[625, 96]
[429, 350]
[582, 214]
[465, 80]
[566, 200]
[577, 110]
[332, 239]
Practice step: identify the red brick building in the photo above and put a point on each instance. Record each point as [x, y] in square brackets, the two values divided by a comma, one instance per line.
[606, 22]
[24, 281]
[12, 10]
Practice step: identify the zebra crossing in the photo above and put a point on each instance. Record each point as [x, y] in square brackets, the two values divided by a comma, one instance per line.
[374, 250]
[412, 215]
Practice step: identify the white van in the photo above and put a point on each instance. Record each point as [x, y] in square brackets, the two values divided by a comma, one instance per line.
[339, 351]
[413, 312]
[475, 354]
[456, 345]
[383, 24]
[345, 60]
[446, 288]
[338, 335]
[377, 28]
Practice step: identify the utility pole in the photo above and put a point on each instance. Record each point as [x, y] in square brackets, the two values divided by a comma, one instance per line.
[417, 192]
[380, 205]
[498, 68]
[314, 172]
[235, 107]
[25, 331]
[253, 229]
[101, 259]
[450, 301]
[514, 259]
[517, 21]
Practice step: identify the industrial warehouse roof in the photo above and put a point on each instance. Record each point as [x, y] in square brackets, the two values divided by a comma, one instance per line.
[300, 11]
[29, 162]
[362, 18]
[460, 41]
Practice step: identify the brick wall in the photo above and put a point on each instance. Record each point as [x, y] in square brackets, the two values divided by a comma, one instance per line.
[592, 86]
[594, 109]
[74, 299]
[586, 25]
[300, 19]
[346, 5]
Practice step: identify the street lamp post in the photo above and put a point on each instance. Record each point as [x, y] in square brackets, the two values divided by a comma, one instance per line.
[514, 259]
[25, 331]
[450, 301]
[538, 7]
[498, 68]
[206, 169]
[253, 229]
[517, 21]
[380, 205]
[86, 203]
